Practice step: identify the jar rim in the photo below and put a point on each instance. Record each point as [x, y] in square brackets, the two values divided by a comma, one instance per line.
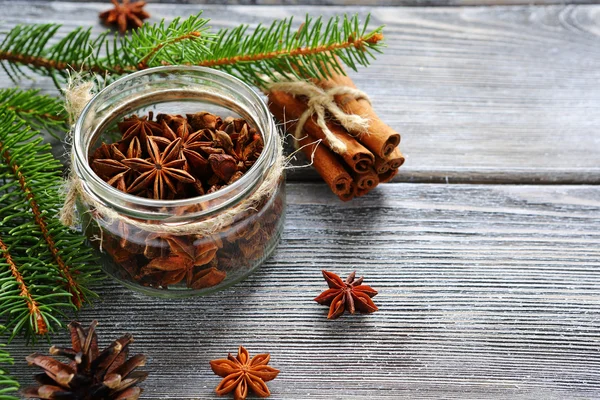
[239, 189]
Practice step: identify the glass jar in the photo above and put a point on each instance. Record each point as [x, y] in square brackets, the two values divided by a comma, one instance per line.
[193, 246]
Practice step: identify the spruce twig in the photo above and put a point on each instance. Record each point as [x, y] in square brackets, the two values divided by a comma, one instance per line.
[276, 51]
[40, 112]
[44, 267]
[7, 384]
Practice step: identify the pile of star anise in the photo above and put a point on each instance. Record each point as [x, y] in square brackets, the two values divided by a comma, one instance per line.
[160, 261]
[175, 157]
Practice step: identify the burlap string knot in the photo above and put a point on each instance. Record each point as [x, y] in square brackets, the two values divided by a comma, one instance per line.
[320, 101]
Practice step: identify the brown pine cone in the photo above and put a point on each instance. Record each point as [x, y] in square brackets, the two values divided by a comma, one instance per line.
[90, 374]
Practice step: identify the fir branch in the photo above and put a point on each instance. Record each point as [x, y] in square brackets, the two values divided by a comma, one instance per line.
[72, 286]
[276, 51]
[42, 113]
[7, 384]
[45, 268]
[35, 315]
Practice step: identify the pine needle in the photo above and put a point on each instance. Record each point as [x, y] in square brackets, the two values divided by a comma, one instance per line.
[44, 267]
[278, 51]
[40, 112]
[7, 384]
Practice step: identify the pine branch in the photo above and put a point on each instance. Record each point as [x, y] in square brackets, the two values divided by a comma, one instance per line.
[280, 51]
[44, 267]
[42, 113]
[273, 51]
[7, 384]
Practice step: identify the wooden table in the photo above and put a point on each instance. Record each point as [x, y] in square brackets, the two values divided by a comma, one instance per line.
[485, 251]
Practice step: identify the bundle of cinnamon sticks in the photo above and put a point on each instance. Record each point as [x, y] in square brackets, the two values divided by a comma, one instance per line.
[369, 158]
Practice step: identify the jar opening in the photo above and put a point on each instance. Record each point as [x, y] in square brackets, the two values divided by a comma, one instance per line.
[172, 89]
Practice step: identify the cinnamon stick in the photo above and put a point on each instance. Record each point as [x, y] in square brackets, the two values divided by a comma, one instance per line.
[368, 180]
[350, 195]
[360, 192]
[381, 165]
[396, 159]
[329, 167]
[388, 176]
[286, 107]
[380, 138]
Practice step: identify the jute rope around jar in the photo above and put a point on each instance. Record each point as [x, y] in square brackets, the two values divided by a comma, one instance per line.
[320, 101]
[75, 190]
[206, 227]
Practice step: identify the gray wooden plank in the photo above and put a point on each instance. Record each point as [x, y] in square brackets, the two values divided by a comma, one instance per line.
[500, 94]
[485, 291]
[373, 3]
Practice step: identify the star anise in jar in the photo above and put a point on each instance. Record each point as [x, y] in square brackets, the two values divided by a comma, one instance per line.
[162, 171]
[192, 145]
[203, 120]
[248, 145]
[182, 259]
[223, 166]
[141, 128]
[242, 374]
[212, 154]
[178, 126]
[125, 15]
[113, 169]
[349, 295]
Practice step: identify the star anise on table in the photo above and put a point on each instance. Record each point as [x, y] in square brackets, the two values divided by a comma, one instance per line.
[125, 15]
[242, 374]
[162, 171]
[182, 259]
[349, 295]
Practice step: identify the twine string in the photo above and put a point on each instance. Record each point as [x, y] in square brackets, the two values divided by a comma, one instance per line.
[321, 101]
[207, 227]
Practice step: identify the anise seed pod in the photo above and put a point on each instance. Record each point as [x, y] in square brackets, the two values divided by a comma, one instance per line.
[203, 120]
[89, 374]
[223, 165]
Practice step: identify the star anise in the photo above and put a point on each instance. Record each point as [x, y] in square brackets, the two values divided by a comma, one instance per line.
[203, 120]
[141, 128]
[248, 143]
[180, 263]
[191, 145]
[125, 15]
[178, 126]
[242, 374]
[349, 295]
[113, 169]
[162, 171]
[223, 165]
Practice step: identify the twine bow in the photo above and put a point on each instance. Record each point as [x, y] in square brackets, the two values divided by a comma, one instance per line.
[320, 101]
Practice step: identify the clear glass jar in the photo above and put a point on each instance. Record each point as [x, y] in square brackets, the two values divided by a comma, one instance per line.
[193, 246]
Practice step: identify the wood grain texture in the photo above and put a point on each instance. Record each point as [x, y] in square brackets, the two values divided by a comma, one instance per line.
[485, 291]
[499, 94]
[374, 3]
